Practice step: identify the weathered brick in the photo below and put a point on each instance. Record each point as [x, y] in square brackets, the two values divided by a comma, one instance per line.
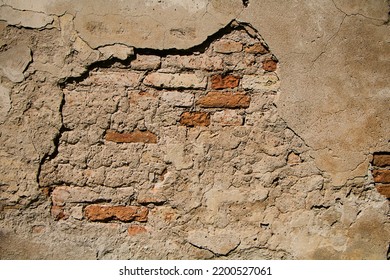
[269, 82]
[381, 176]
[269, 65]
[216, 99]
[105, 213]
[151, 197]
[146, 62]
[384, 190]
[256, 48]
[169, 80]
[381, 159]
[178, 99]
[66, 194]
[223, 82]
[195, 119]
[193, 62]
[58, 213]
[227, 46]
[136, 229]
[132, 137]
[113, 78]
[227, 117]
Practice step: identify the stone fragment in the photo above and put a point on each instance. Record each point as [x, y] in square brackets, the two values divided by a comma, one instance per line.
[269, 65]
[178, 99]
[220, 245]
[168, 80]
[293, 158]
[223, 82]
[195, 119]
[105, 213]
[113, 79]
[260, 83]
[136, 229]
[216, 99]
[24, 18]
[227, 117]
[5, 103]
[14, 61]
[227, 46]
[119, 51]
[381, 176]
[384, 189]
[65, 194]
[256, 48]
[146, 62]
[381, 159]
[136, 136]
[155, 197]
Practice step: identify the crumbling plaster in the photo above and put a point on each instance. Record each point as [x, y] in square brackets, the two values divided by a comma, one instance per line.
[334, 91]
[333, 53]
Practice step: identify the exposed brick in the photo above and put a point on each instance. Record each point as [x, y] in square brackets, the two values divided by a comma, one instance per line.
[381, 176]
[132, 137]
[223, 82]
[168, 80]
[257, 48]
[58, 213]
[65, 194]
[381, 160]
[113, 78]
[151, 197]
[105, 213]
[135, 230]
[193, 62]
[269, 65]
[227, 117]
[227, 46]
[195, 119]
[146, 62]
[268, 82]
[215, 99]
[384, 190]
[178, 99]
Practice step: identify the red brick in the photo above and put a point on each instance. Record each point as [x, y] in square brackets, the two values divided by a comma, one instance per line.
[136, 229]
[381, 160]
[222, 82]
[195, 119]
[269, 65]
[215, 99]
[381, 176]
[58, 213]
[384, 190]
[132, 137]
[105, 213]
[257, 48]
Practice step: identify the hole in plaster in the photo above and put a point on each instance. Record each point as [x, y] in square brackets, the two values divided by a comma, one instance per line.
[245, 3]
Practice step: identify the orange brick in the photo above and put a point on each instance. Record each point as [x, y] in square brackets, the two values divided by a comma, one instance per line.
[222, 82]
[384, 190]
[381, 159]
[269, 65]
[381, 176]
[105, 213]
[136, 229]
[257, 48]
[195, 119]
[230, 100]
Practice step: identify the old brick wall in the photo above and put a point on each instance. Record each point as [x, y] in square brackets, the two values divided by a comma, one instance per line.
[121, 152]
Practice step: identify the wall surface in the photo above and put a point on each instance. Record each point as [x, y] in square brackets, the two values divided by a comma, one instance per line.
[194, 129]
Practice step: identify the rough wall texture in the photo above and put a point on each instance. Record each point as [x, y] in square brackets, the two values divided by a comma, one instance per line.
[235, 129]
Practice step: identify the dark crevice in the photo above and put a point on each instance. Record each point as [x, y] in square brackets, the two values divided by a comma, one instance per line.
[320, 207]
[388, 253]
[245, 3]
[201, 48]
[56, 143]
